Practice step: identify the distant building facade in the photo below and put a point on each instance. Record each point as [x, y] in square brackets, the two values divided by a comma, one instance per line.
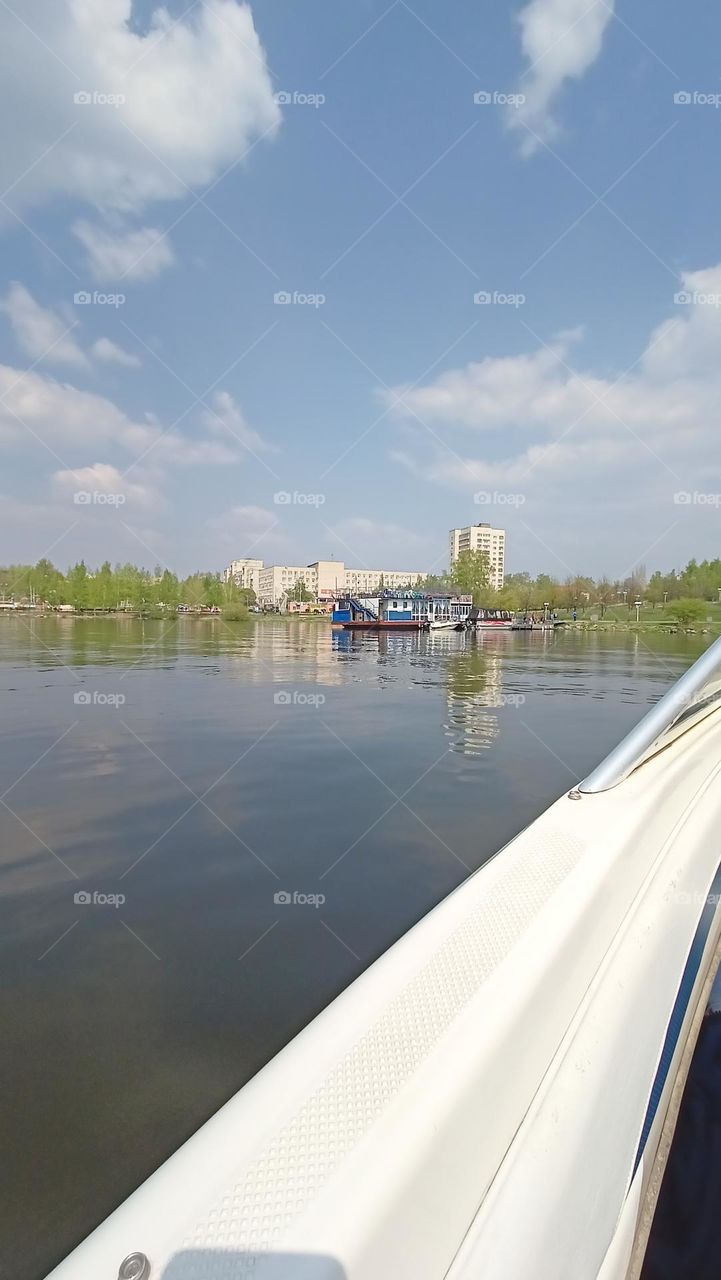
[323, 579]
[482, 537]
[244, 573]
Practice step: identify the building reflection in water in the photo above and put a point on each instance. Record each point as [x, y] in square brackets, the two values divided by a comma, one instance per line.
[469, 666]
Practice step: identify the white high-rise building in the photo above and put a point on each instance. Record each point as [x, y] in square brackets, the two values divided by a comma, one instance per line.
[482, 537]
[244, 573]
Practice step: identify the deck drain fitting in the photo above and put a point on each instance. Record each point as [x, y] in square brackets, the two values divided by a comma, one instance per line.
[135, 1267]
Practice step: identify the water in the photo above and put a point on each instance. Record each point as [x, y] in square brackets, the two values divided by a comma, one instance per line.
[209, 768]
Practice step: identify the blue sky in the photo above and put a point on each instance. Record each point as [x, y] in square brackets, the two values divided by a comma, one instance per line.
[581, 416]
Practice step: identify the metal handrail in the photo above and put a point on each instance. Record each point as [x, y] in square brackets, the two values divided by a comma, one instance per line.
[690, 699]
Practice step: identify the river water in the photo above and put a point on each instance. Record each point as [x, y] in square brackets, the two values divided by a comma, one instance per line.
[165, 788]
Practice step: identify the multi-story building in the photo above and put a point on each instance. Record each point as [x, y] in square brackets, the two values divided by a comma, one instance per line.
[324, 579]
[244, 573]
[482, 537]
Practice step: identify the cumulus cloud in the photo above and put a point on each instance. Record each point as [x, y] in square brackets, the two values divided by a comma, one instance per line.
[551, 429]
[103, 479]
[40, 332]
[47, 336]
[114, 255]
[124, 118]
[561, 39]
[110, 353]
[225, 419]
[250, 531]
[35, 408]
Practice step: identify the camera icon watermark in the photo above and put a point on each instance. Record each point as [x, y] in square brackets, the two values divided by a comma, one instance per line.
[296, 698]
[487, 497]
[684, 498]
[94, 98]
[686, 98]
[283, 498]
[494, 98]
[94, 698]
[96, 899]
[296, 98]
[497, 299]
[284, 898]
[296, 299]
[97, 498]
[695, 298]
[86, 298]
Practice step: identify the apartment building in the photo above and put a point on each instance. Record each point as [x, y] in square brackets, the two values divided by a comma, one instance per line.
[324, 579]
[244, 573]
[482, 537]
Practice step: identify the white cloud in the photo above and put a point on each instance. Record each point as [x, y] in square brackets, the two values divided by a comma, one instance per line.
[114, 255]
[40, 332]
[559, 434]
[110, 353]
[103, 479]
[193, 95]
[561, 39]
[225, 419]
[35, 407]
[369, 543]
[248, 530]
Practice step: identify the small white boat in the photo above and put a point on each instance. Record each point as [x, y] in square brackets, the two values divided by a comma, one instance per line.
[495, 1097]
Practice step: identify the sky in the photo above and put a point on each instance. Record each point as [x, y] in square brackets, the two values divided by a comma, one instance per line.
[325, 280]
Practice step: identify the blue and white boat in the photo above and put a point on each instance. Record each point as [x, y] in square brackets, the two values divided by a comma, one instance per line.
[401, 611]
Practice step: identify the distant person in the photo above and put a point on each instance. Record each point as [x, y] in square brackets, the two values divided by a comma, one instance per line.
[574, 615]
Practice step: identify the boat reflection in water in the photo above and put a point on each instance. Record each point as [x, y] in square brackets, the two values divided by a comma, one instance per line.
[476, 689]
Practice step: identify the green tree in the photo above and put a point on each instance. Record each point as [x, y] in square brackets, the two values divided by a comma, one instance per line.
[47, 582]
[685, 611]
[299, 592]
[439, 584]
[604, 594]
[78, 584]
[469, 573]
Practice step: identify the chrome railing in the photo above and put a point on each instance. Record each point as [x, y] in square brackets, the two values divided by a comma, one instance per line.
[695, 695]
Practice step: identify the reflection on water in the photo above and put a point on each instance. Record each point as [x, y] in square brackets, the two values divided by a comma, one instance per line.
[199, 770]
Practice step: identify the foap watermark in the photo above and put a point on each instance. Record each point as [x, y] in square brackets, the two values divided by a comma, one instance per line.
[512, 700]
[296, 698]
[492, 497]
[695, 298]
[497, 299]
[283, 498]
[296, 299]
[494, 98]
[685, 898]
[297, 98]
[686, 499]
[83, 898]
[693, 98]
[86, 298]
[94, 698]
[284, 898]
[95, 98]
[97, 498]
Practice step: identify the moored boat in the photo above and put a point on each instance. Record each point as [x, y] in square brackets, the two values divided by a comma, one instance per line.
[401, 611]
[481, 619]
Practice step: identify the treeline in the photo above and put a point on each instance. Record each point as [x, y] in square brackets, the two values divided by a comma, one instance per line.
[698, 581]
[124, 586]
